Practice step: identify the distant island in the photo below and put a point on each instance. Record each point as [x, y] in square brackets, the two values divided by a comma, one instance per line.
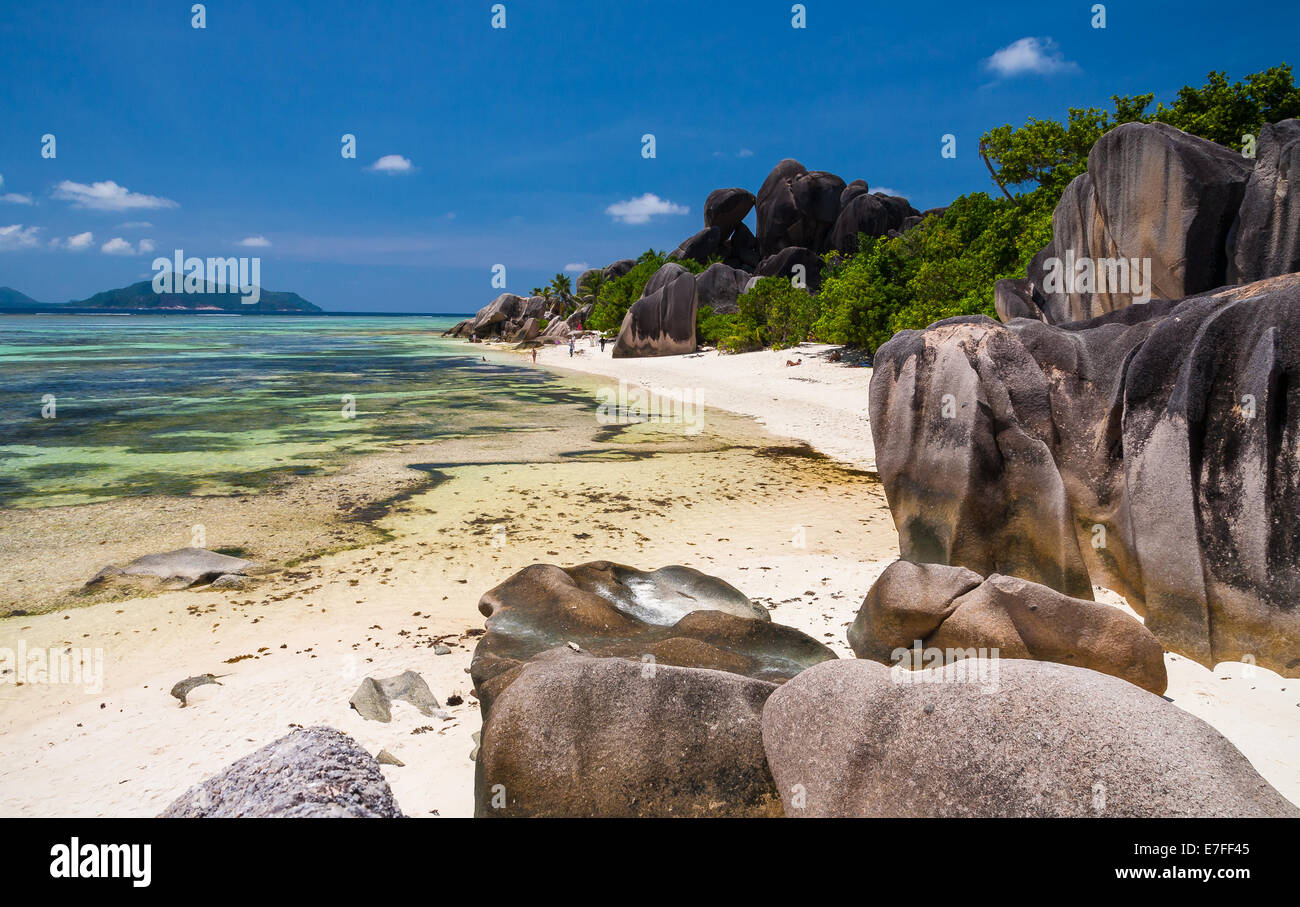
[140, 297]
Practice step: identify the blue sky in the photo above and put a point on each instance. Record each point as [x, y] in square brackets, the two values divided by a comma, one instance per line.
[519, 139]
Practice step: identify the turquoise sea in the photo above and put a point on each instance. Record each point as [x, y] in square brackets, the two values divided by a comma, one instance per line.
[186, 404]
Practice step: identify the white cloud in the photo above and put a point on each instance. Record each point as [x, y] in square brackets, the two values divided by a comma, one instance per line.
[639, 210]
[254, 242]
[392, 163]
[108, 196]
[16, 236]
[577, 266]
[79, 242]
[744, 152]
[135, 225]
[146, 246]
[885, 190]
[1029, 55]
[14, 198]
[117, 246]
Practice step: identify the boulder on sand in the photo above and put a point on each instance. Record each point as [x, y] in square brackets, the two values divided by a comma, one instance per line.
[662, 321]
[673, 615]
[1149, 450]
[955, 611]
[577, 736]
[312, 773]
[1033, 739]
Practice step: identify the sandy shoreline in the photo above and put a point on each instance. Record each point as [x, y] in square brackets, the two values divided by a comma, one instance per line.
[803, 535]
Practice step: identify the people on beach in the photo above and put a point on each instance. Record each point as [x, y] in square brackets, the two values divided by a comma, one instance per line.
[534, 355]
[570, 347]
[602, 343]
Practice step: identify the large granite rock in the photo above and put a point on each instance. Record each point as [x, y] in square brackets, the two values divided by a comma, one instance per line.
[619, 268]
[1151, 192]
[726, 208]
[495, 317]
[953, 611]
[312, 773]
[862, 213]
[783, 264]
[701, 246]
[578, 736]
[1150, 450]
[673, 615]
[1032, 739]
[741, 251]
[718, 286]
[797, 207]
[662, 321]
[1266, 236]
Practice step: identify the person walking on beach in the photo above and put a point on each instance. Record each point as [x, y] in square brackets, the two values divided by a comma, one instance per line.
[602, 343]
[534, 355]
[570, 347]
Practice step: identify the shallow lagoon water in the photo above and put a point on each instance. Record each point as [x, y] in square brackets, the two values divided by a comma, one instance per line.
[188, 404]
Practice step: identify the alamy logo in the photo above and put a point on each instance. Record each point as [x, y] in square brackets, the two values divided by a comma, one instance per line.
[630, 404]
[103, 861]
[214, 275]
[1099, 275]
[973, 665]
[73, 666]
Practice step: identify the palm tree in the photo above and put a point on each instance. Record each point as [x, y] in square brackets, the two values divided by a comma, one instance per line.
[563, 288]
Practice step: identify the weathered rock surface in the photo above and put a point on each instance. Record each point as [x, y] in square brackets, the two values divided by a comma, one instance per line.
[787, 263]
[619, 268]
[1151, 192]
[718, 286]
[862, 213]
[578, 736]
[797, 207]
[313, 773]
[952, 609]
[849, 739]
[726, 208]
[662, 321]
[1150, 450]
[701, 246]
[673, 615]
[1266, 236]
[183, 568]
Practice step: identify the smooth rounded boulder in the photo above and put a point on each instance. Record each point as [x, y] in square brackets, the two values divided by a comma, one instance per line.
[662, 321]
[954, 611]
[726, 208]
[576, 736]
[673, 615]
[854, 739]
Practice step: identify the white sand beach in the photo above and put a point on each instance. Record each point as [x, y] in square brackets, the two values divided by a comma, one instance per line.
[802, 535]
